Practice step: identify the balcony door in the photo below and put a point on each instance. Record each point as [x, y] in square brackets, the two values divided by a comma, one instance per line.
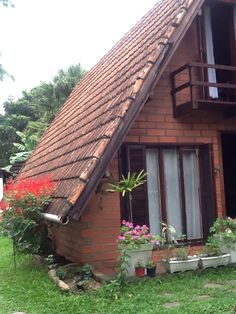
[220, 35]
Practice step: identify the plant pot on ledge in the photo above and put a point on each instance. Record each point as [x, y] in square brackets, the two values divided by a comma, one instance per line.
[212, 254]
[137, 243]
[139, 269]
[143, 252]
[151, 268]
[151, 271]
[214, 261]
[173, 265]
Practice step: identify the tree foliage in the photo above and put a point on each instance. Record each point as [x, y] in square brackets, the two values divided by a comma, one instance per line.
[26, 119]
[7, 3]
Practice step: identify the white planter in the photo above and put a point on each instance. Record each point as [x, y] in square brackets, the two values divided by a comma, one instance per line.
[229, 248]
[233, 254]
[143, 253]
[214, 261]
[172, 265]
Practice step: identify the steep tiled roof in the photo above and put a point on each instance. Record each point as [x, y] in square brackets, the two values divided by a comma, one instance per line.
[91, 125]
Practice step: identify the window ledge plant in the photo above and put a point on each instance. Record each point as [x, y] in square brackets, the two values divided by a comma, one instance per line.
[213, 254]
[178, 259]
[134, 237]
[136, 242]
[224, 229]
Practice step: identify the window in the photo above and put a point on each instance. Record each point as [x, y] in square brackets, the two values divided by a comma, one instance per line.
[219, 20]
[179, 189]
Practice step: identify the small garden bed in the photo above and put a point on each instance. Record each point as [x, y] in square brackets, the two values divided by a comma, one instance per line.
[69, 277]
[207, 291]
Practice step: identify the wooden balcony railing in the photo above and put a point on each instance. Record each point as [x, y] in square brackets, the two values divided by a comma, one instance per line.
[190, 89]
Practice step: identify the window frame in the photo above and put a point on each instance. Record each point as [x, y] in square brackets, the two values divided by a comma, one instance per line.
[124, 168]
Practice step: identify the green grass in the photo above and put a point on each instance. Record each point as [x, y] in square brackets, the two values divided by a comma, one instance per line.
[29, 289]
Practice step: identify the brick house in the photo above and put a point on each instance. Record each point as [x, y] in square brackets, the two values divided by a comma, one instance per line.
[163, 100]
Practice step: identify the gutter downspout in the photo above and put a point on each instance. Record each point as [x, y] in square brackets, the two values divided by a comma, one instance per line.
[63, 220]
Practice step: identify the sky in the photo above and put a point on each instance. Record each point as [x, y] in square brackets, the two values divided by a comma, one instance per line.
[39, 37]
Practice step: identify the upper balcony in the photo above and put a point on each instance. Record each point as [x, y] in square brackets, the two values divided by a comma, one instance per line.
[200, 86]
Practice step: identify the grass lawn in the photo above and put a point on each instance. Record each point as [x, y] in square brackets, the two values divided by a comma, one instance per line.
[29, 289]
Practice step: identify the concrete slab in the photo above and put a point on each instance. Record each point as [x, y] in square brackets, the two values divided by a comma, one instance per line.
[171, 305]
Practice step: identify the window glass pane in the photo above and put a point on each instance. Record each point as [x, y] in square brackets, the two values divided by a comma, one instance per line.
[172, 188]
[192, 198]
[153, 185]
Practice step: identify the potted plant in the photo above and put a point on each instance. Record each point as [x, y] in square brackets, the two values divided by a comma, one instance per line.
[151, 268]
[224, 229]
[179, 259]
[137, 242]
[212, 254]
[139, 269]
[181, 262]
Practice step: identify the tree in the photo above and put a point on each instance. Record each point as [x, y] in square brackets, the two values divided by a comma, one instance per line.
[29, 139]
[6, 3]
[65, 81]
[7, 137]
[31, 114]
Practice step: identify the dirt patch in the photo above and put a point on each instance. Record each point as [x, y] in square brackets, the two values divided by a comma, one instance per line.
[213, 285]
[171, 305]
[203, 297]
[232, 282]
[166, 294]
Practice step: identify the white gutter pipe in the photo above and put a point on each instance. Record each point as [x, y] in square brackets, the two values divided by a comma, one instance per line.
[57, 219]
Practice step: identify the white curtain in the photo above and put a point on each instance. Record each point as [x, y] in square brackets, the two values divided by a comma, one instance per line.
[172, 186]
[192, 199]
[153, 185]
[1, 188]
[235, 22]
[213, 91]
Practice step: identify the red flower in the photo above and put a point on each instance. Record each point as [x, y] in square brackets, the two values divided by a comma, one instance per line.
[25, 190]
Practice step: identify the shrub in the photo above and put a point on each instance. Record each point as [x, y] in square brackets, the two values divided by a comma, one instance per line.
[21, 220]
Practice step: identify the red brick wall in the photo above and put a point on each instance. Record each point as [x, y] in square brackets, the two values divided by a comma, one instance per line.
[159, 255]
[93, 239]
[156, 124]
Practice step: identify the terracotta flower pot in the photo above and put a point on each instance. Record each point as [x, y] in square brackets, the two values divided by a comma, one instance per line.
[143, 252]
[139, 271]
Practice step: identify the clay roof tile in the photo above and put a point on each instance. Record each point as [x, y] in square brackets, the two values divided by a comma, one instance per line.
[94, 120]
